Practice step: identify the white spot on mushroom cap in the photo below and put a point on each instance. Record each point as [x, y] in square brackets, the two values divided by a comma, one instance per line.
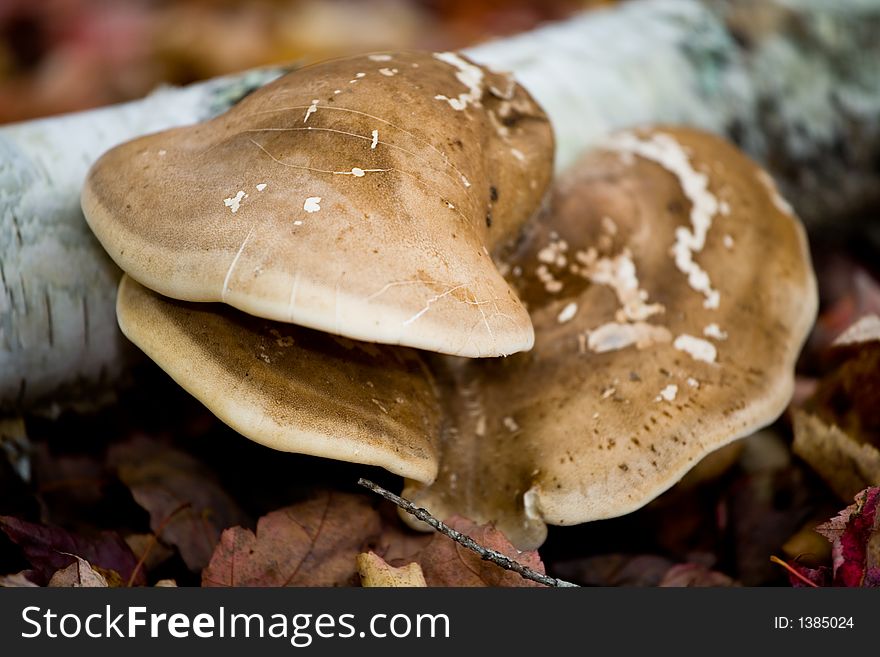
[297, 223]
[567, 313]
[668, 153]
[619, 273]
[469, 75]
[162, 152]
[312, 204]
[692, 382]
[728, 242]
[375, 141]
[380, 58]
[714, 331]
[614, 335]
[260, 186]
[234, 202]
[357, 172]
[696, 348]
[388, 72]
[511, 424]
[311, 110]
[668, 393]
[518, 154]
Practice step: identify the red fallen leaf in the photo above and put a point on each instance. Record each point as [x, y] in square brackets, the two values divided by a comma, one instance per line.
[49, 549]
[188, 508]
[855, 541]
[446, 563]
[314, 543]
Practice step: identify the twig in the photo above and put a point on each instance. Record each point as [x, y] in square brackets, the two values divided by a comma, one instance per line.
[793, 571]
[485, 553]
[153, 540]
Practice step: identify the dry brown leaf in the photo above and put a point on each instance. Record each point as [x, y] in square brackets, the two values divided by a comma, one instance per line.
[446, 563]
[148, 549]
[846, 465]
[165, 584]
[375, 572]
[17, 581]
[187, 506]
[79, 574]
[313, 543]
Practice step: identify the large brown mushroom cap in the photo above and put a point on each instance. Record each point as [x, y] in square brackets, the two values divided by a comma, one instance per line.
[362, 197]
[292, 388]
[671, 291]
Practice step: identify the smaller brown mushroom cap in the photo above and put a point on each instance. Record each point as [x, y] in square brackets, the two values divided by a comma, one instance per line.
[671, 291]
[362, 197]
[291, 388]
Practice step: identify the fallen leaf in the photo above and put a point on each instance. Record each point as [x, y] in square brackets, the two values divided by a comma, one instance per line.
[849, 395]
[398, 542]
[694, 575]
[846, 465]
[49, 549]
[165, 584]
[446, 563]
[375, 572]
[313, 543]
[148, 548]
[79, 574]
[17, 580]
[615, 570]
[188, 507]
[855, 541]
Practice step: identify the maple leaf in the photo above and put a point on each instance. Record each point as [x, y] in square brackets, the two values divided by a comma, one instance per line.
[446, 563]
[187, 506]
[49, 549]
[313, 543]
[855, 541]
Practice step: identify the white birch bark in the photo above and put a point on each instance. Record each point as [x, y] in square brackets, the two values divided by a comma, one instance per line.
[795, 82]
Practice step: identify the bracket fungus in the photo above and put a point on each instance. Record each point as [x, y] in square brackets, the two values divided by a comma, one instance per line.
[361, 196]
[669, 286]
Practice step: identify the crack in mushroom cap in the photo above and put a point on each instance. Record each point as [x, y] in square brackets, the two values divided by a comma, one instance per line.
[582, 429]
[291, 388]
[362, 197]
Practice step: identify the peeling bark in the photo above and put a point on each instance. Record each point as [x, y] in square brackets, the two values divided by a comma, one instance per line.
[794, 82]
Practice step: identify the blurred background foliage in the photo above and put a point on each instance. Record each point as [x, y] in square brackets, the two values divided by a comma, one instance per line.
[66, 55]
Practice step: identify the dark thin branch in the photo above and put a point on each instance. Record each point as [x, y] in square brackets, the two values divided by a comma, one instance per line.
[485, 553]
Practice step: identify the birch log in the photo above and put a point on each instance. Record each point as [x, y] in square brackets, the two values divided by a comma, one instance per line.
[794, 82]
